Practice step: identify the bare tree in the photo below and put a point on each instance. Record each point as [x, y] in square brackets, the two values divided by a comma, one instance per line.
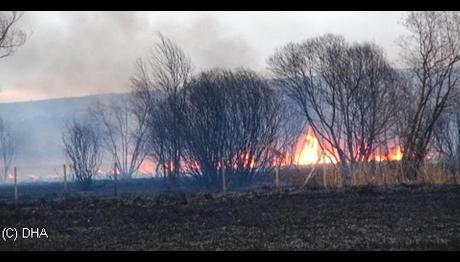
[157, 96]
[432, 52]
[230, 121]
[122, 133]
[82, 146]
[292, 127]
[8, 146]
[346, 93]
[447, 140]
[10, 37]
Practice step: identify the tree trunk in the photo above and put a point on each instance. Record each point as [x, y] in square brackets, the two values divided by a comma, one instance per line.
[411, 167]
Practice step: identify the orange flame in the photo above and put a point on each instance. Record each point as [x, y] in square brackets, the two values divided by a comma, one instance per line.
[395, 154]
[308, 151]
[147, 167]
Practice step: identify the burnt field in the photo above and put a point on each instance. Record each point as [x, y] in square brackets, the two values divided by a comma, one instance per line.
[366, 218]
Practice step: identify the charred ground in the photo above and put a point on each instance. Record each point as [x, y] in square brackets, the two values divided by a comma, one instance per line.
[398, 218]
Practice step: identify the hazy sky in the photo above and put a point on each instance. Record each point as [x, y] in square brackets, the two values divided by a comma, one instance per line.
[82, 53]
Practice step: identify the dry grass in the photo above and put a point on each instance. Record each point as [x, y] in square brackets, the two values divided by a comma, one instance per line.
[387, 174]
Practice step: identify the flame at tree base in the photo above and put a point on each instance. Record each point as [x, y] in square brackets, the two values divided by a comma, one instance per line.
[308, 152]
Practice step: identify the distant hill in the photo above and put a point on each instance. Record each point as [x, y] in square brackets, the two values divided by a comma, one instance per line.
[39, 125]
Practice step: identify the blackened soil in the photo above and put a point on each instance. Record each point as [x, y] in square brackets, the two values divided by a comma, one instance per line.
[426, 218]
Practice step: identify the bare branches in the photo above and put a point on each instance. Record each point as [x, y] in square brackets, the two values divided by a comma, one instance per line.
[432, 52]
[167, 68]
[83, 149]
[10, 37]
[123, 134]
[346, 92]
[230, 119]
[157, 99]
[446, 140]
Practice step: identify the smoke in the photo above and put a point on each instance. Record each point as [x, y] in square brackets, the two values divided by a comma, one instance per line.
[84, 53]
[73, 53]
[211, 44]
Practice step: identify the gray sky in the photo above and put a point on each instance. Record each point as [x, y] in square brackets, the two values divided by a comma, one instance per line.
[83, 53]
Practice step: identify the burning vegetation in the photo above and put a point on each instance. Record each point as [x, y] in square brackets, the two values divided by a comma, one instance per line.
[234, 126]
[308, 151]
[326, 102]
[330, 114]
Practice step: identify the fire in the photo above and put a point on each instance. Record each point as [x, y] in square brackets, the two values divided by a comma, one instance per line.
[395, 154]
[248, 161]
[147, 167]
[308, 151]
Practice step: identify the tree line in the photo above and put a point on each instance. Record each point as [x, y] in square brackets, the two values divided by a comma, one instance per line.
[237, 125]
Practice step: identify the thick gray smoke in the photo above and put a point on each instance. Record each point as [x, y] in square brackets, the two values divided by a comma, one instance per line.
[83, 53]
[211, 44]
